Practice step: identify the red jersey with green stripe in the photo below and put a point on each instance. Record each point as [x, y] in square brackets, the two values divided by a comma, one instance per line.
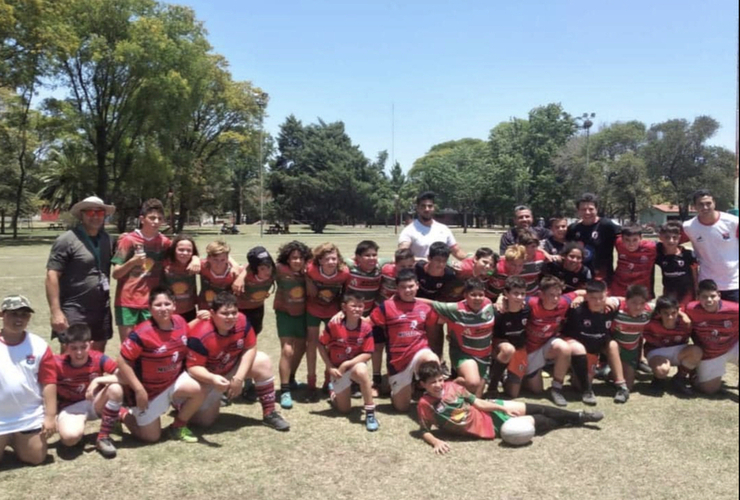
[290, 295]
[543, 324]
[454, 413]
[657, 336]
[387, 282]
[470, 332]
[532, 270]
[343, 344]
[182, 284]
[73, 381]
[464, 270]
[497, 280]
[133, 289]
[218, 353]
[627, 330]
[324, 303]
[715, 332]
[256, 291]
[212, 283]
[366, 284]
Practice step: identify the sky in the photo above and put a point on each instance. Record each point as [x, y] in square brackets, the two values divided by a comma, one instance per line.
[405, 75]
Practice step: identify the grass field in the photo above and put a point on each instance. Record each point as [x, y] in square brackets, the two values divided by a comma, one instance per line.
[649, 448]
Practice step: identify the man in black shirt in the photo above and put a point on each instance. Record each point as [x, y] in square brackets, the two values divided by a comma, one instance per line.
[596, 235]
[522, 221]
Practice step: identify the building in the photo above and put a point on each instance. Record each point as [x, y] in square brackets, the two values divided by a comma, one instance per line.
[661, 213]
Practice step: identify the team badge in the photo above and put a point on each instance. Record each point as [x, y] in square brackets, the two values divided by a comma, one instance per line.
[175, 357]
[726, 236]
[680, 263]
[184, 339]
[348, 350]
[630, 266]
[608, 324]
[30, 359]
[595, 235]
[413, 324]
[524, 322]
[715, 333]
[727, 323]
[240, 344]
[587, 323]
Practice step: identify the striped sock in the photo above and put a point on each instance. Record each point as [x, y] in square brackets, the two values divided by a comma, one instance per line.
[266, 394]
[108, 419]
[369, 409]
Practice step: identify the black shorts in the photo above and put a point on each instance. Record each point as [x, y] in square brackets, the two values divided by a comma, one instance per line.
[255, 317]
[101, 327]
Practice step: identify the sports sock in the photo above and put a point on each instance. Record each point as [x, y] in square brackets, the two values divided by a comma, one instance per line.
[579, 363]
[369, 410]
[544, 424]
[284, 388]
[497, 371]
[266, 394]
[621, 384]
[563, 417]
[108, 419]
[292, 378]
[177, 423]
[557, 385]
[377, 379]
[312, 381]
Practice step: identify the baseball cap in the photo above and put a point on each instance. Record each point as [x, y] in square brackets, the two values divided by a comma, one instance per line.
[15, 302]
[257, 256]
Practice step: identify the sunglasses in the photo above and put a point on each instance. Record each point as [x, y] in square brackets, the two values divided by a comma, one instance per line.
[90, 212]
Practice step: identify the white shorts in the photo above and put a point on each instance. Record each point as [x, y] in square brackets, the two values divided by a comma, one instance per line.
[160, 404]
[343, 383]
[403, 379]
[670, 353]
[710, 369]
[538, 359]
[213, 396]
[84, 407]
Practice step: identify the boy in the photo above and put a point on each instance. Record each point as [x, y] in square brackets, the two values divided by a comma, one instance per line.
[454, 410]
[87, 388]
[587, 331]
[151, 366]
[715, 330]
[403, 259]
[433, 277]
[478, 266]
[137, 265]
[470, 326]
[678, 264]
[346, 346]
[28, 391]
[556, 241]
[635, 262]
[364, 273]
[596, 235]
[667, 344]
[569, 268]
[633, 315]
[511, 265]
[534, 261]
[221, 353]
[217, 273]
[403, 324]
[510, 340]
[252, 286]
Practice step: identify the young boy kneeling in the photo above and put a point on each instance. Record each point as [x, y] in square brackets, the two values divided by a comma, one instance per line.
[346, 346]
[453, 409]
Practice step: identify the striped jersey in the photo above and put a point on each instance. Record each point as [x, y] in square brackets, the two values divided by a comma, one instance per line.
[327, 290]
[343, 344]
[532, 271]
[657, 336]
[255, 292]
[365, 284]
[182, 284]
[470, 331]
[290, 296]
[715, 332]
[627, 330]
[211, 284]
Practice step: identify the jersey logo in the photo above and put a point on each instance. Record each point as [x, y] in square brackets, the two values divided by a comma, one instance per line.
[715, 333]
[524, 322]
[160, 349]
[30, 359]
[348, 350]
[608, 324]
[727, 323]
[680, 263]
[413, 324]
[240, 344]
[587, 323]
[726, 236]
[595, 235]
[175, 357]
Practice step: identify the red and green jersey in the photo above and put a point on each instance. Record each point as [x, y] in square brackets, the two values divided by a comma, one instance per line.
[176, 277]
[470, 332]
[454, 413]
[627, 330]
[366, 284]
[387, 282]
[497, 280]
[328, 290]
[256, 291]
[532, 270]
[658, 336]
[211, 284]
[133, 289]
[464, 270]
[343, 344]
[290, 295]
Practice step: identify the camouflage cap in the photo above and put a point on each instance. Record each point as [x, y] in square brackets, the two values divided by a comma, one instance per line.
[15, 302]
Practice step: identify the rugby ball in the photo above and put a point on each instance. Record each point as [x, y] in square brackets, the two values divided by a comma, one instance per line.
[517, 431]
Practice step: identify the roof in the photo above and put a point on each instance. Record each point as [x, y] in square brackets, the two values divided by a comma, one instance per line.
[669, 208]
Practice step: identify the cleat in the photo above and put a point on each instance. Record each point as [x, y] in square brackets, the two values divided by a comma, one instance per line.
[371, 423]
[589, 398]
[681, 387]
[286, 401]
[623, 394]
[276, 421]
[106, 448]
[182, 434]
[587, 417]
[557, 397]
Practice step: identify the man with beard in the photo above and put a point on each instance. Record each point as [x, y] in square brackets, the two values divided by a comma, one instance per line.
[420, 234]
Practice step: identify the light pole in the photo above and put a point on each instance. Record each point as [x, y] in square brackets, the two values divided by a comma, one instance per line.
[586, 124]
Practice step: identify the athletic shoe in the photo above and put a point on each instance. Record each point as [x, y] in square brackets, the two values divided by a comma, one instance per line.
[643, 367]
[681, 387]
[602, 372]
[276, 421]
[313, 395]
[557, 397]
[106, 448]
[182, 434]
[623, 394]
[587, 417]
[371, 423]
[225, 401]
[589, 398]
[286, 401]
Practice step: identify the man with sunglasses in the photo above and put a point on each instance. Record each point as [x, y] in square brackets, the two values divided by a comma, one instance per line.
[523, 220]
[78, 273]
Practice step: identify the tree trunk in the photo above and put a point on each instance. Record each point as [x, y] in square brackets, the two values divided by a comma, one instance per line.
[465, 222]
[183, 214]
[2, 221]
[101, 152]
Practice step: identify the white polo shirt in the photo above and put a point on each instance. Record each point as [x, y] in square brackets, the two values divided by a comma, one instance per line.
[716, 248]
[421, 237]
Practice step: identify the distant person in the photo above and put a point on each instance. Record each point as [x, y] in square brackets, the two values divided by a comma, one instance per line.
[419, 235]
[78, 273]
[714, 236]
[523, 221]
[597, 236]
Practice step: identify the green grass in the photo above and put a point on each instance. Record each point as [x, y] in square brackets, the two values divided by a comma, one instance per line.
[648, 448]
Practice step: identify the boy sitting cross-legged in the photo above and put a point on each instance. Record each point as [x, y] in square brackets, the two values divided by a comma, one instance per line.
[87, 389]
[346, 346]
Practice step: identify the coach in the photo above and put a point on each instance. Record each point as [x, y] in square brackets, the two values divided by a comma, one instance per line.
[714, 236]
[420, 234]
[596, 235]
[523, 220]
[78, 273]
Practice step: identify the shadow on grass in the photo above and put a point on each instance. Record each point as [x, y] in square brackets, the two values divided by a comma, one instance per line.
[354, 415]
[228, 422]
[10, 461]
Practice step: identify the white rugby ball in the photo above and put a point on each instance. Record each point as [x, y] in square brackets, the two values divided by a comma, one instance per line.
[517, 431]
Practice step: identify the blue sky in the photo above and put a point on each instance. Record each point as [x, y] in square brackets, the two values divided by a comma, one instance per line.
[454, 69]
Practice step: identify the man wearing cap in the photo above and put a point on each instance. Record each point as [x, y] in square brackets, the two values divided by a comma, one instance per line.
[523, 220]
[420, 234]
[28, 391]
[78, 273]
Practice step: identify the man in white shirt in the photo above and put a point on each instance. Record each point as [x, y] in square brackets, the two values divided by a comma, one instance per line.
[714, 236]
[424, 230]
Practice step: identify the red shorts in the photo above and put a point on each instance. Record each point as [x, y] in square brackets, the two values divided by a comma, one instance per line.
[517, 367]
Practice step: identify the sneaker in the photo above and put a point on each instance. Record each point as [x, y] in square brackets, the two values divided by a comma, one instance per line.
[286, 401]
[657, 386]
[623, 394]
[106, 448]
[225, 401]
[557, 397]
[586, 417]
[602, 372]
[643, 367]
[589, 398]
[276, 421]
[371, 423]
[249, 393]
[313, 395]
[681, 387]
[182, 434]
